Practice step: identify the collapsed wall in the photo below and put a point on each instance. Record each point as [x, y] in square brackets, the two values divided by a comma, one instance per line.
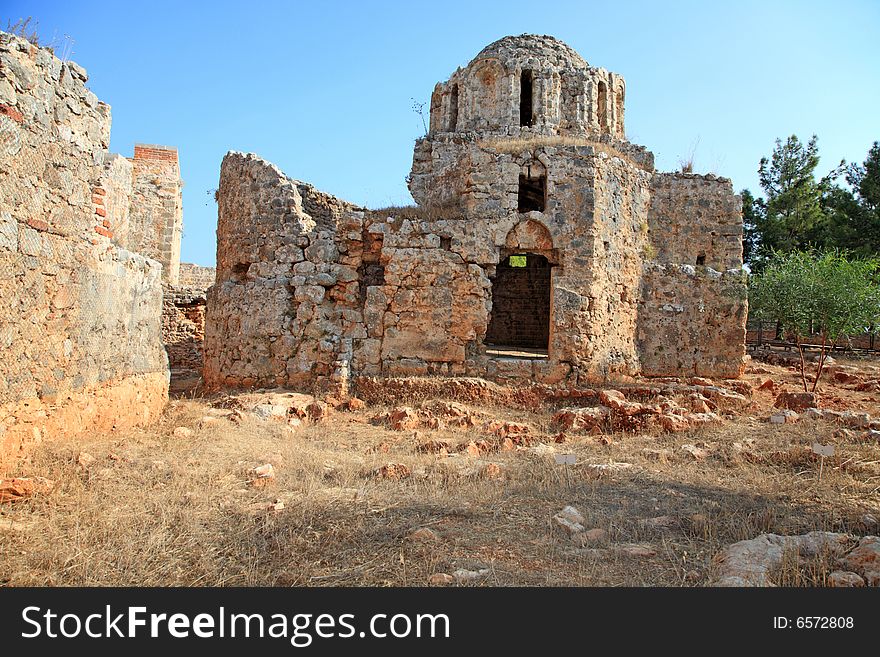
[183, 326]
[79, 314]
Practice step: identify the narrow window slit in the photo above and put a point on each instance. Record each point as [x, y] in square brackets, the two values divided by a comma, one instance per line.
[526, 102]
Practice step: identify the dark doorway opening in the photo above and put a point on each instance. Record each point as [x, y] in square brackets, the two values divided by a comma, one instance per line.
[520, 321]
[526, 86]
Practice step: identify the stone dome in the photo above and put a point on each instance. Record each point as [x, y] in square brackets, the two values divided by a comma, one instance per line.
[532, 50]
[529, 84]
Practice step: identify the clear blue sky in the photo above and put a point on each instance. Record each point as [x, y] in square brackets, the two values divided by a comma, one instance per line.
[324, 89]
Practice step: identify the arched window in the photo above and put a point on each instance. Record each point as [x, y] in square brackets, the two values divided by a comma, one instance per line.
[603, 107]
[532, 196]
[453, 108]
[526, 98]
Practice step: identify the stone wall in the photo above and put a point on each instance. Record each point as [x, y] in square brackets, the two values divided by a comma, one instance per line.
[697, 220]
[156, 222]
[692, 321]
[79, 315]
[196, 276]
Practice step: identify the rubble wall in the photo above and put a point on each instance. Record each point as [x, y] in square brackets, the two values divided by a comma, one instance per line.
[692, 321]
[79, 314]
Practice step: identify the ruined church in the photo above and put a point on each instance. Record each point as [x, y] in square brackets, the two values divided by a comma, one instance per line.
[544, 247]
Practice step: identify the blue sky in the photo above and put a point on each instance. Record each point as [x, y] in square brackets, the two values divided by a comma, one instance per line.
[325, 89]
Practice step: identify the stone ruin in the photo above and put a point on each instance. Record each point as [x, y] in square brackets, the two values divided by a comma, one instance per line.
[544, 247]
[89, 246]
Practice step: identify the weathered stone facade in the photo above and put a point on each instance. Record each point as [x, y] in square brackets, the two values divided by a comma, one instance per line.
[527, 190]
[79, 313]
[156, 222]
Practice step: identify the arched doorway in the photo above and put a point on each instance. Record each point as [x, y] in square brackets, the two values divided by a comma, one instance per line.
[519, 324]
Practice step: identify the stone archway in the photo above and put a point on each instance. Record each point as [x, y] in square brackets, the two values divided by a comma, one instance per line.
[522, 293]
[520, 317]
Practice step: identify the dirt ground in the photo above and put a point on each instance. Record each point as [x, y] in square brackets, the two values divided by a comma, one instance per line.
[158, 507]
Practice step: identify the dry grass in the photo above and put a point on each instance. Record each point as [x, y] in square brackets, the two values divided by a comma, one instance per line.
[153, 509]
[517, 145]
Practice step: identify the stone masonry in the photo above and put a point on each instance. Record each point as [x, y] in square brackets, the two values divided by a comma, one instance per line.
[156, 222]
[183, 325]
[544, 246]
[79, 312]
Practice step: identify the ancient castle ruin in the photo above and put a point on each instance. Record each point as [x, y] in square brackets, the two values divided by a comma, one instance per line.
[89, 246]
[544, 247]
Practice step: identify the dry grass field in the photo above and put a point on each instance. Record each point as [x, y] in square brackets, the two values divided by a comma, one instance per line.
[156, 508]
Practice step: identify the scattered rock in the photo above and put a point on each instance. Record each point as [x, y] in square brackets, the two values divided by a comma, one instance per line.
[796, 401]
[768, 384]
[441, 579]
[845, 579]
[636, 550]
[783, 417]
[270, 411]
[673, 423]
[589, 536]
[569, 520]
[403, 418]
[262, 475]
[276, 506]
[424, 535]
[751, 562]
[20, 488]
[84, 459]
[865, 560]
[355, 404]
[581, 419]
[696, 453]
[393, 471]
[463, 575]
[813, 414]
[184, 432]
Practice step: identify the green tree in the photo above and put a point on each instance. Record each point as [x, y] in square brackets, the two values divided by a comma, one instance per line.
[793, 216]
[854, 217]
[753, 209]
[805, 292]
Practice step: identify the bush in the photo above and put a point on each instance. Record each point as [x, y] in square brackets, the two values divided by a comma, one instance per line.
[808, 293]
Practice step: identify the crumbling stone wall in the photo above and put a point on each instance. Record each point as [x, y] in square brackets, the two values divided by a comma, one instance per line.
[156, 222]
[183, 326]
[196, 276]
[183, 334]
[314, 291]
[79, 314]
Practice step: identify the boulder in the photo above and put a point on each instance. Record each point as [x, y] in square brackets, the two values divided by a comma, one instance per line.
[796, 401]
